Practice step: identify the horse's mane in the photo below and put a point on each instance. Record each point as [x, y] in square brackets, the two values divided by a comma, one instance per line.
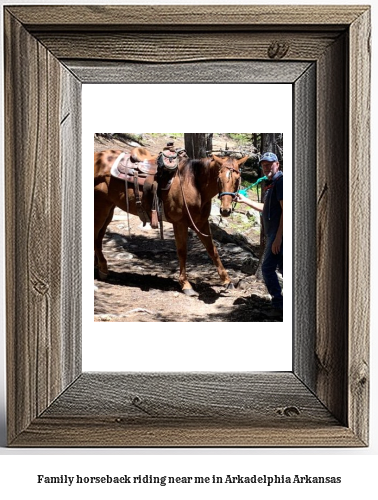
[191, 169]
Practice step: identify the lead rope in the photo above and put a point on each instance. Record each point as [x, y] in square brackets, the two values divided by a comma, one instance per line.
[187, 209]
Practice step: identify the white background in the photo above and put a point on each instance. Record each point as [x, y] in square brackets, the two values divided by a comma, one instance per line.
[18, 468]
[221, 346]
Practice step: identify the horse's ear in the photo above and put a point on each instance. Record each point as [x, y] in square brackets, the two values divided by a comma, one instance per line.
[242, 160]
[218, 159]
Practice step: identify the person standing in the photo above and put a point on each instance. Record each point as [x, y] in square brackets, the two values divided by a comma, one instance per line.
[272, 214]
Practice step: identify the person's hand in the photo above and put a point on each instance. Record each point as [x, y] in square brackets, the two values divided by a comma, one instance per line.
[239, 198]
[276, 245]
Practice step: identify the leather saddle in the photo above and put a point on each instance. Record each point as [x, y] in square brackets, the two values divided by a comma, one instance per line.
[139, 168]
[145, 173]
[139, 163]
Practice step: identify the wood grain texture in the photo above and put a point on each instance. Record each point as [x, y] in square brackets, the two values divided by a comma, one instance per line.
[100, 432]
[304, 227]
[34, 204]
[223, 71]
[32, 243]
[193, 409]
[359, 227]
[70, 161]
[332, 230]
[185, 16]
[185, 47]
[190, 396]
[324, 402]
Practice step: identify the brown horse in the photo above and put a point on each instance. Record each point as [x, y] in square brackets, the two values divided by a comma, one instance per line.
[186, 204]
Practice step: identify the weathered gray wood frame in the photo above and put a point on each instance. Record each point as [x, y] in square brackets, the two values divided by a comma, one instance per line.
[324, 52]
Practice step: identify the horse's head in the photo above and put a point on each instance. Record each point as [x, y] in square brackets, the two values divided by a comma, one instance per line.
[228, 181]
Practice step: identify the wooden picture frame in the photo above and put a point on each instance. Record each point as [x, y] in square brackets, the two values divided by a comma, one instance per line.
[323, 51]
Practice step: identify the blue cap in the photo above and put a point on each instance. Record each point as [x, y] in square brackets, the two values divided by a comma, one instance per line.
[268, 157]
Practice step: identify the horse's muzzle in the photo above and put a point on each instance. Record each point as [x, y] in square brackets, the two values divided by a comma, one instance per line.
[225, 212]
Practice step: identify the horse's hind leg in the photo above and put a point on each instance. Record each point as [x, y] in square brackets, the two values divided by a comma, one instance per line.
[181, 237]
[214, 255]
[102, 219]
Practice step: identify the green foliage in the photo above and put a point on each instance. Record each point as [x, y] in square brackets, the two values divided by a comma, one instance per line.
[125, 136]
[176, 136]
[169, 134]
[238, 223]
[241, 138]
[246, 183]
[253, 220]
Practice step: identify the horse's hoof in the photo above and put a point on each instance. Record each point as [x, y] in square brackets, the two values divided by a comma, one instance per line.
[230, 286]
[101, 275]
[190, 292]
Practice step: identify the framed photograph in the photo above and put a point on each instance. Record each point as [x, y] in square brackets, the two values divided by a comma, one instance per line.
[324, 53]
[143, 283]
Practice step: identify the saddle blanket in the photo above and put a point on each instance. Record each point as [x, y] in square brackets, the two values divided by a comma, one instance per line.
[114, 170]
[126, 165]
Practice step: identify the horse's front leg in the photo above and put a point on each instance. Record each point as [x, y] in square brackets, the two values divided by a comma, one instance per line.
[102, 219]
[181, 237]
[214, 255]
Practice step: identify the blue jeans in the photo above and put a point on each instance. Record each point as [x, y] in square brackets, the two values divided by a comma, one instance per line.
[271, 263]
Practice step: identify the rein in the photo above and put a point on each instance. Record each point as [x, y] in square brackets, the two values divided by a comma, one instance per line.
[187, 209]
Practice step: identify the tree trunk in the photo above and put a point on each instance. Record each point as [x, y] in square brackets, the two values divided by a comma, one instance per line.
[254, 141]
[196, 145]
[209, 142]
[267, 143]
[273, 143]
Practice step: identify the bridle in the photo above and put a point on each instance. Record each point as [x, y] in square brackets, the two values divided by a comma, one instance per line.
[231, 169]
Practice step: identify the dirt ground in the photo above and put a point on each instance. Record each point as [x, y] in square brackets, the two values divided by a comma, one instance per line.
[142, 285]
